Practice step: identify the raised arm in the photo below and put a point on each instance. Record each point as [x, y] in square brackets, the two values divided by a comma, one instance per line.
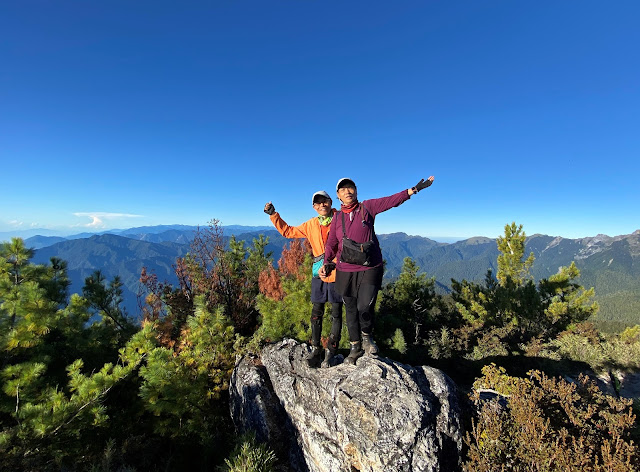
[283, 228]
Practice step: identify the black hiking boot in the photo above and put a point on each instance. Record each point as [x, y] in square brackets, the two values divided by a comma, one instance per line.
[328, 358]
[369, 345]
[315, 356]
[355, 354]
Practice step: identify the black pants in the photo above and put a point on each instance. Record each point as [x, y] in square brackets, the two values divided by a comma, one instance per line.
[317, 313]
[359, 292]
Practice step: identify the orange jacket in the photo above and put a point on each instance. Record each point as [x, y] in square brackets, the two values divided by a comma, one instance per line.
[312, 230]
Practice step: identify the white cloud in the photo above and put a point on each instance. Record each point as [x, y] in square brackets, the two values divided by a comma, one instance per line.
[99, 218]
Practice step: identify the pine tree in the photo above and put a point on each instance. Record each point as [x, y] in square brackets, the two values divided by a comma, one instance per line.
[26, 314]
[48, 398]
[564, 301]
[182, 387]
[407, 304]
[511, 263]
[513, 309]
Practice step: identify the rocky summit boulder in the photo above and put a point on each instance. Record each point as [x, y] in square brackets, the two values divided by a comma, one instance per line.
[379, 415]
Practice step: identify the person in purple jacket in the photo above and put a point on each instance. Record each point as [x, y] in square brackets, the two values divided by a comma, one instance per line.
[359, 284]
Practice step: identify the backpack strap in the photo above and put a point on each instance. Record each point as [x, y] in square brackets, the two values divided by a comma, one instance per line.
[344, 233]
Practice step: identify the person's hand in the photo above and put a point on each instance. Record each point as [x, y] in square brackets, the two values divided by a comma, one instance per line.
[423, 184]
[269, 209]
[325, 270]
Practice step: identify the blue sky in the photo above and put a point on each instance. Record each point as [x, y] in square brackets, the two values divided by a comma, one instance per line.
[116, 114]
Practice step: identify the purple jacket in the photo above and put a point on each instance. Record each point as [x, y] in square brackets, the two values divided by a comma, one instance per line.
[359, 231]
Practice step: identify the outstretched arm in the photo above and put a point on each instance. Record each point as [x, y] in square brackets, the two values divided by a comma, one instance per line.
[378, 205]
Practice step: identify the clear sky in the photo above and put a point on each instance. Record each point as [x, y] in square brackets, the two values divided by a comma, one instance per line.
[122, 113]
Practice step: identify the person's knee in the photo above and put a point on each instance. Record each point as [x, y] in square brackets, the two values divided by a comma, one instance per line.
[317, 311]
[366, 307]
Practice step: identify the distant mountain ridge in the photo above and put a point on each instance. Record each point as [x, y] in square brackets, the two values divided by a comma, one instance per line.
[610, 264]
[38, 238]
[115, 255]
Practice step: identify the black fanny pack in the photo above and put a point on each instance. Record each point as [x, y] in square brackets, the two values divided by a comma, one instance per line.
[354, 252]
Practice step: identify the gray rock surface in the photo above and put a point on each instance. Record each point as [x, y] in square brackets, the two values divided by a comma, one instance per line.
[379, 415]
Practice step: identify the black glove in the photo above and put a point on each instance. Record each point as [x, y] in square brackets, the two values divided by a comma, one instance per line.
[423, 184]
[269, 209]
[328, 268]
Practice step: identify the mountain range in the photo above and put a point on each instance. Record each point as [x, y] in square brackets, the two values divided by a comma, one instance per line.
[610, 264]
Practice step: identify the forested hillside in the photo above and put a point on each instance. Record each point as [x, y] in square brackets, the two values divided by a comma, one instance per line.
[125, 258]
[609, 264]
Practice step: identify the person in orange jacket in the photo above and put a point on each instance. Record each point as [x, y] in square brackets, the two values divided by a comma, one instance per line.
[316, 231]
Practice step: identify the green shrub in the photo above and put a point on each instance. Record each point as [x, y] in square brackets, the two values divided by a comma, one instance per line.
[631, 335]
[250, 456]
[579, 348]
[286, 308]
[397, 342]
[602, 352]
[110, 459]
[491, 343]
[441, 344]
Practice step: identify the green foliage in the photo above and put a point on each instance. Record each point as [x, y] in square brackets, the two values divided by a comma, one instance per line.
[441, 344]
[511, 266]
[250, 456]
[47, 421]
[408, 304]
[398, 343]
[630, 335]
[82, 386]
[602, 352]
[181, 387]
[26, 314]
[495, 378]
[289, 316]
[619, 309]
[104, 299]
[513, 308]
[108, 462]
[551, 425]
[226, 277]
[564, 301]
[256, 261]
[576, 347]
[492, 342]
[238, 280]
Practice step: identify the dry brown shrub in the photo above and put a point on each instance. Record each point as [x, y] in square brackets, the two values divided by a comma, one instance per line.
[293, 257]
[550, 425]
[270, 284]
